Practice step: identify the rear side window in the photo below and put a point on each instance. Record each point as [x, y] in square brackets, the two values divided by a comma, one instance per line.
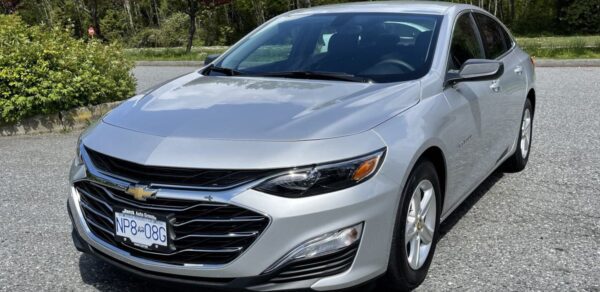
[493, 36]
[465, 44]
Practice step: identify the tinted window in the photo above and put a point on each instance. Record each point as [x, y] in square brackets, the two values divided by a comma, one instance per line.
[492, 35]
[274, 50]
[465, 44]
[383, 47]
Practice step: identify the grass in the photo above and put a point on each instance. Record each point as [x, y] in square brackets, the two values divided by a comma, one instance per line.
[172, 54]
[571, 47]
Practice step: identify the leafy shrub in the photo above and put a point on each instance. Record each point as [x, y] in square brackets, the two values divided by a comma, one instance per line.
[114, 25]
[172, 33]
[582, 16]
[46, 71]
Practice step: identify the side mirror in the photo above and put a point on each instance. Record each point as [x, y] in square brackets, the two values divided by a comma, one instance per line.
[210, 58]
[476, 70]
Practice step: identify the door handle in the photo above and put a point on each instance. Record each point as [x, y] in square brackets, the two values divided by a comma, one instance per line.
[519, 70]
[495, 87]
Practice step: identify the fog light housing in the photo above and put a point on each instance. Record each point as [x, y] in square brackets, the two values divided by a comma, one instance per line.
[325, 244]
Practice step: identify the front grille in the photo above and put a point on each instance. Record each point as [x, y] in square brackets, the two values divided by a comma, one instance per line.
[319, 267]
[200, 178]
[202, 232]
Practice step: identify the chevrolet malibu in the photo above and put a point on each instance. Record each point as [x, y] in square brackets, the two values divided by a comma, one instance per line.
[320, 152]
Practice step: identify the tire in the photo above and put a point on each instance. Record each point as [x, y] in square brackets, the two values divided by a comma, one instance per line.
[519, 159]
[402, 273]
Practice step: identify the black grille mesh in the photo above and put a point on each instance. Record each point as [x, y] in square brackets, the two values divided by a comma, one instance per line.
[319, 267]
[207, 178]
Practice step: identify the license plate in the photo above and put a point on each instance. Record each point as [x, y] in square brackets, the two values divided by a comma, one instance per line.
[141, 229]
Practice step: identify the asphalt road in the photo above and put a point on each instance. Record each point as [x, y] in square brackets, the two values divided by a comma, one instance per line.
[535, 230]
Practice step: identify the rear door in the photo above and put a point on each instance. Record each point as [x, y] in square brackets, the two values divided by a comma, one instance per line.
[508, 91]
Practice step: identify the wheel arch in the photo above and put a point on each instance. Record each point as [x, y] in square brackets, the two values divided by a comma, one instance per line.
[436, 156]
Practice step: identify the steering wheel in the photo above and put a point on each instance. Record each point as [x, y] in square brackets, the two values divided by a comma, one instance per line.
[405, 67]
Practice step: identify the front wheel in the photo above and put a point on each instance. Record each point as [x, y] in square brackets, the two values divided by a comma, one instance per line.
[519, 159]
[416, 231]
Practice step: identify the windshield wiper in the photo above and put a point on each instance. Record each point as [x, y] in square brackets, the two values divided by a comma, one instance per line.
[226, 71]
[318, 75]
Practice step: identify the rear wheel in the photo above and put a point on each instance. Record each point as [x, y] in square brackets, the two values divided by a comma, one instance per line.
[416, 231]
[519, 159]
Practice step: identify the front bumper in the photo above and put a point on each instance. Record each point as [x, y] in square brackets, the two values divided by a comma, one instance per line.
[292, 222]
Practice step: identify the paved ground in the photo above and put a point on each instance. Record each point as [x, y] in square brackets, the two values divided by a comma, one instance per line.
[152, 76]
[537, 230]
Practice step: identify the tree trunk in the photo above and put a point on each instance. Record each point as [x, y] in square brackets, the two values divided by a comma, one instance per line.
[78, 27]
[47, 6]
[127, 5]
[192, 11]
[95, 18]
[259, 12]
[511, 10]
[495, 7]
[156, 12]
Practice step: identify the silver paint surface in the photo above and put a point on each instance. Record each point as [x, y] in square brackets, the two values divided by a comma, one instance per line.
[261, 123]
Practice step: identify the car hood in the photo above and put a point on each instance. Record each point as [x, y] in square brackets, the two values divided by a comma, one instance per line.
[262, 109]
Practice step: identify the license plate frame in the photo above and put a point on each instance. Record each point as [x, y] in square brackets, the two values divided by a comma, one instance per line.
[144, 238]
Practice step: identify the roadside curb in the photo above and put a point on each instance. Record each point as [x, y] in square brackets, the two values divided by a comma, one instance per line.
[538, 63]
[170, 63]
[75, 119]
[567, 63]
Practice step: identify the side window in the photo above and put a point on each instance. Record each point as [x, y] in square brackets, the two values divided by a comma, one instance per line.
[493, 36]
[465, 44]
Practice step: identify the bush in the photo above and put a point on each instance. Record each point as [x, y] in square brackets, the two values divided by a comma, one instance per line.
[582, 16]
[46, 71]
[172, 33]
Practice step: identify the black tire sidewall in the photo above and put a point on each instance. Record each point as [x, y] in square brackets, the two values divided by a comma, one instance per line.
[400, 276]
[524, 160]
[517, 162]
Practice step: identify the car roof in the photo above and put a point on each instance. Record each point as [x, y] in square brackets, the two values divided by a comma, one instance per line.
[420, 7]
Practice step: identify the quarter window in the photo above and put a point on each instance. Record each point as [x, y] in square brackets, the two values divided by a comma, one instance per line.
[465, 44]
[493, 36]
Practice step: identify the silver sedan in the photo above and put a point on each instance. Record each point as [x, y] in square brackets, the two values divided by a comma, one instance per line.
[321, 151]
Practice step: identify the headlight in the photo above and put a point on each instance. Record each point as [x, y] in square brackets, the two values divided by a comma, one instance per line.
[320, 179]
[78, 160]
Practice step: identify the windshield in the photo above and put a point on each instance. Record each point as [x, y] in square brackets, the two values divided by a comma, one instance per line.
[378, 47]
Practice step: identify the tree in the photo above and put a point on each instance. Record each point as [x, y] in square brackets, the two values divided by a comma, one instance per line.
[583, 16]
[8, 6]
[192, 11]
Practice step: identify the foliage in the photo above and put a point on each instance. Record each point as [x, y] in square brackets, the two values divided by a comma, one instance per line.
[172, 33]
[562, 47]
[583, 16]
[44, 71]
[172, 54]
[159, 23]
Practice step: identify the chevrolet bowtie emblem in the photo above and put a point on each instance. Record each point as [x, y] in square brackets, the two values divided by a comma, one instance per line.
[140, 192]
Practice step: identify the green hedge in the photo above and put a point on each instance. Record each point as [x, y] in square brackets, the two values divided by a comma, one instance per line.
[45, 71]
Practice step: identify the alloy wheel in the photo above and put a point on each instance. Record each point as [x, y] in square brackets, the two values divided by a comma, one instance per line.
[420, 224]
[525, 133]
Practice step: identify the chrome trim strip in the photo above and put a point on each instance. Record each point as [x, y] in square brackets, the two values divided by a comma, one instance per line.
[224, 250]
[97, 213]
[228, 235]
[98, 226]
[88, 195]
[239, 219]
